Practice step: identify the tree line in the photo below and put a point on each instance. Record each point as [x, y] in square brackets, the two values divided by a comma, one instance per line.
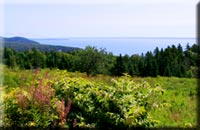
[171, 61]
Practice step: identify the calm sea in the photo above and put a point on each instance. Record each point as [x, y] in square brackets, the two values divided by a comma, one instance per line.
[120, 45]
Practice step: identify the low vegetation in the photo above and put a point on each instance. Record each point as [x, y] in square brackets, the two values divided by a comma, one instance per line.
[57, 98]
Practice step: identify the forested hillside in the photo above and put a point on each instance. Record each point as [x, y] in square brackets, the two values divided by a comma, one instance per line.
[24, 44]
[171, 61]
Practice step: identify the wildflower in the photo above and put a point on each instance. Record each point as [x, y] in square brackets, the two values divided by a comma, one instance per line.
[74, 122]
[63, 111]
[32, 124]
[22, 100]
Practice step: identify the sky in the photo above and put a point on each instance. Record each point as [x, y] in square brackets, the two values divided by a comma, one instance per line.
[98, 18]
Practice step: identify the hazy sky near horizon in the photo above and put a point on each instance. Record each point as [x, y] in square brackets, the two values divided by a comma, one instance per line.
[99, 18]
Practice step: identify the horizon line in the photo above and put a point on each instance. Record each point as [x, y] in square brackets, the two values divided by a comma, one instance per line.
[113, 37]
[105, 37]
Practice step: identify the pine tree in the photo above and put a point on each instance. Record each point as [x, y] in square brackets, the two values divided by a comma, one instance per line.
[119, 66]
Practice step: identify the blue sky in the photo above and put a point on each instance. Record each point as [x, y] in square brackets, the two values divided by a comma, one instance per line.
[98, 18]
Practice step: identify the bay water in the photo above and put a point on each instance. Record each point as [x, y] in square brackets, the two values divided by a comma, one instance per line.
[118, 45]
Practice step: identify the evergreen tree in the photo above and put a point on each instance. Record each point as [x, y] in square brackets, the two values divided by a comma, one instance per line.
[119, 66]
[126, 64]
[141, 65]
[151, 67]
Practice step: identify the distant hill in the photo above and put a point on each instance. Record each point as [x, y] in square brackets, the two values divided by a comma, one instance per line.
[24, 44]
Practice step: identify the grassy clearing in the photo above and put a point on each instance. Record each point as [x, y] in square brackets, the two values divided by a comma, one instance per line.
[181, 94]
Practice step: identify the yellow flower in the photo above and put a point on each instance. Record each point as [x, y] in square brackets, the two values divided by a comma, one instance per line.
[32, 124]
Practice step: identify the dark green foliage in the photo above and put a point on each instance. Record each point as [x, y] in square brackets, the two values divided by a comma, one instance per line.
[151, 67]
[172, 61]
[9, 57]
[119, 67]
[91, 59]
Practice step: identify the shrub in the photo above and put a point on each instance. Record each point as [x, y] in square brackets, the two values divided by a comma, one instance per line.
[123, 104]
[66, 102]
[33, 106]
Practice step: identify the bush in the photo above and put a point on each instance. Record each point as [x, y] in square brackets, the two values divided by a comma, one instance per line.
[34, 106]
[66, 102]
[123, 104]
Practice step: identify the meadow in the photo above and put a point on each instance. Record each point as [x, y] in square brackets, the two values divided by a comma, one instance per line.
[72, 99]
